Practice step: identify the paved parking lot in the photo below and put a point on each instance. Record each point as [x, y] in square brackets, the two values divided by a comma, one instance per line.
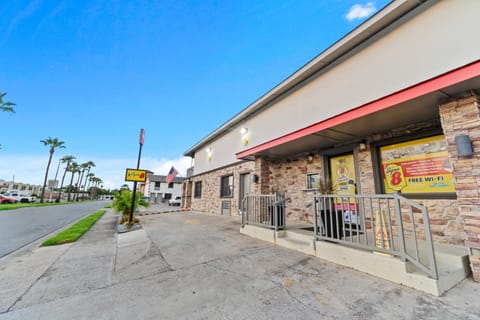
[188, 265]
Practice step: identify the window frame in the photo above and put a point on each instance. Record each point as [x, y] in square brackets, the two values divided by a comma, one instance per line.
[230, 186]
[377, 166]
[197, 192]
[309, 186]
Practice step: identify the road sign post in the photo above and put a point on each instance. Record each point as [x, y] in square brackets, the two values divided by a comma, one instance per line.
[134, 193]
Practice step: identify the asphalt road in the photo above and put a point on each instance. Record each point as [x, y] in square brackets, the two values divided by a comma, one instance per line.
[22, 226]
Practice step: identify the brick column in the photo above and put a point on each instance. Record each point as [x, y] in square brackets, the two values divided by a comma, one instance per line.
[263, 171]
[462, 117]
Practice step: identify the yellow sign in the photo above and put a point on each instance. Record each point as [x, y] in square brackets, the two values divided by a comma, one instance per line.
[417, 166]
[136, 175]
[342, 171]
[395, 179]
[382, 236]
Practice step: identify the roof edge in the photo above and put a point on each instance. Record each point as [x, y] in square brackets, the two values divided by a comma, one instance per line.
[376, 23]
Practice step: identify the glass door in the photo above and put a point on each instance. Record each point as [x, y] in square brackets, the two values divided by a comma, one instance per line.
[344, 182]
[244, 189]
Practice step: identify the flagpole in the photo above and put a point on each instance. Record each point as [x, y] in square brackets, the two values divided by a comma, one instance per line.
[134, 193]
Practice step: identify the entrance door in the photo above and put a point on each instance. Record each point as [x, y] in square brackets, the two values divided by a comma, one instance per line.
[244, 189]
[344, 181]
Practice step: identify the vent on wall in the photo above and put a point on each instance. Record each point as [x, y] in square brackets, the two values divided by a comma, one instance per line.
[226, 207]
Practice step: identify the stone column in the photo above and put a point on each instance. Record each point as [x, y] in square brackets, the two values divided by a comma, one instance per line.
[462, 117]
[263, 171]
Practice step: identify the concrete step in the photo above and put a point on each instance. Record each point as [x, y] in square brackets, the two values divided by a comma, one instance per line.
[452, 261]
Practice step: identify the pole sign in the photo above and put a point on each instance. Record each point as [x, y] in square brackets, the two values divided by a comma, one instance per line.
[136, 175]
[142, 136]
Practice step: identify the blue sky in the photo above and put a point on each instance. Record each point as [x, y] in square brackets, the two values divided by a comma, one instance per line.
[92, 73]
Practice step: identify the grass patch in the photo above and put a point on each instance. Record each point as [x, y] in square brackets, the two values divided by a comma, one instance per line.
[108, 206]
[12, 206]
[75, 231]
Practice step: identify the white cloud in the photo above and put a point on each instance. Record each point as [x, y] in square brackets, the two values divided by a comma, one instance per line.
[31, 169]
[360, 11]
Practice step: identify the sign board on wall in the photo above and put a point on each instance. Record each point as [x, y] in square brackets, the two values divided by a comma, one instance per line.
[136, 175]
[417, 166]
[342, 172]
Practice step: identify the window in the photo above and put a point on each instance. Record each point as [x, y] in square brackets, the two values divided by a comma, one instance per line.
[226, 186]
[420, 166]
[313, 180]
[197, 192]
[157, 185]
[170, 185]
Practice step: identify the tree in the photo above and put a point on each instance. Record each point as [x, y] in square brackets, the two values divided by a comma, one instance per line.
[123, 202]
[96, 181]
[53, 143]
[89, 165]
[82, 168]
[6, 106]
[88, 179]
[73, 168]
[67, 160]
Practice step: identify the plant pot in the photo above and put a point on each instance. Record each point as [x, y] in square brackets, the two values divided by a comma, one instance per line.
[332, 223]
[280, 216]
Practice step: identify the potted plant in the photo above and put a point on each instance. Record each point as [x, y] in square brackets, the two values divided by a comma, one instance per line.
[279, 207]
[332, 217]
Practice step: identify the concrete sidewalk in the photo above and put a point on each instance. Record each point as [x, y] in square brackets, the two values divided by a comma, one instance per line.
[188, 265]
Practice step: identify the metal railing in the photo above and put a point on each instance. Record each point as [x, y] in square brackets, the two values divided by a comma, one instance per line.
[264, 210]
[389, 224]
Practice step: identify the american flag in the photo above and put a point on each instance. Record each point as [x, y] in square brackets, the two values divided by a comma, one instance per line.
[171, 175]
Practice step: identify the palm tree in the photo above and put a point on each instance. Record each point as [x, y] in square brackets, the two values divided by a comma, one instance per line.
[77, 184]
[96, 181]
[6, 106]
[53, 143]
[123, 204]
[67, 160]
[73, 168]
[87, 183]
[83, 167]
[89, 164]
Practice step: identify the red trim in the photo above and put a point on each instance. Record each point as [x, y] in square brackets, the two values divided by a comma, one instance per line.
[453, 77]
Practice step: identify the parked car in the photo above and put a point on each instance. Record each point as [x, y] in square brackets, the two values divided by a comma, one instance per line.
[175, 202]
[20, 197]
[4, 199]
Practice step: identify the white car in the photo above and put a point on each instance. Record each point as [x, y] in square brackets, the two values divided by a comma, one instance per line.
[175, 202]
[23, 198]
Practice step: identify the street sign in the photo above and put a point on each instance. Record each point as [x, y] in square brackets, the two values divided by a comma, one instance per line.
[142, 136]
[136, 175]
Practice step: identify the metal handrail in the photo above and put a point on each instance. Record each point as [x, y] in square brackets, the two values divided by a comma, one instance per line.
[386, 223]
[264, 210]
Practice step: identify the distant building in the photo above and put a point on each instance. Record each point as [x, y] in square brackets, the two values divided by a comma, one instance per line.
[6, 186]
[158, 190]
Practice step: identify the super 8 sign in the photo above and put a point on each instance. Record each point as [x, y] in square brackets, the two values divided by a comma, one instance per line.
[136, 175]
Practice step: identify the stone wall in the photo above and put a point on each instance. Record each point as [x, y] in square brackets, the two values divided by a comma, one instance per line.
[210, 200]
[462, 117]
[289, 177]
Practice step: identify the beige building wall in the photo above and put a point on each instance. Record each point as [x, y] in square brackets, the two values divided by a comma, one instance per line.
[390, 64]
